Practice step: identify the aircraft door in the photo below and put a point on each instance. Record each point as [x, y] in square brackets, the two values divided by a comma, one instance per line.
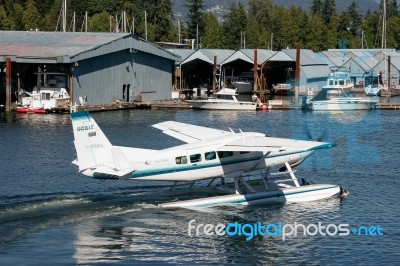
[196, 162]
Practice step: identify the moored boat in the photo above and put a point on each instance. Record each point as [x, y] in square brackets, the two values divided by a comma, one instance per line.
[225, 99]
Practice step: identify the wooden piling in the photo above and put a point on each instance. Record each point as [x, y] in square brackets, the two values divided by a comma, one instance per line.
[8, 84]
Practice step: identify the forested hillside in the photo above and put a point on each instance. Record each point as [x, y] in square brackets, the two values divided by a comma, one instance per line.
[260, 22]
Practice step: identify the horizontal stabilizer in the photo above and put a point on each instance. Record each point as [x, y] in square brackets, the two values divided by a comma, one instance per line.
[120, 161]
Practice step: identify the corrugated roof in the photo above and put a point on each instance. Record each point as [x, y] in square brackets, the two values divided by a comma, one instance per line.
[66, 45]
[238, 55]
[262, 54]
[207, 55]
[183, 53]
[280, 56]
[307, 57]
[221, 54]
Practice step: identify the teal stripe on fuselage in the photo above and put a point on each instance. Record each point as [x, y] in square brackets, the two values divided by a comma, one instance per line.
[190, 167]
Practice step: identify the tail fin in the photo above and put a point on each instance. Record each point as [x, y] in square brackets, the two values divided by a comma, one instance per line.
[96, 156]
[92, 146]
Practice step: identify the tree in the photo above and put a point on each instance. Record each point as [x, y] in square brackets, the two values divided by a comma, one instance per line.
[328, 10]
[393, 34]
[5, 22]
[316, 34]
[212, 32]
[195, 8]
[355, 18]
[316, 7]
[99, 22]
[260, 10]
[31, 17]
[162, 20]
[235, 22]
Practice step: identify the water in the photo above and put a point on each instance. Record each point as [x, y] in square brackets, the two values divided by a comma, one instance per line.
[50, 214]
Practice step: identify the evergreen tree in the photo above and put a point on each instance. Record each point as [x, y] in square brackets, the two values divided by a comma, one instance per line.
[392, 8]
[5, 22]
[17, 13]
[212, 32]
[316, 7]
[235, 23]
[162, 20]
[316, 34]
[393, 33]
[328, 10]
[195, 8]
[261, 11]
[355, 18]
[31, 17]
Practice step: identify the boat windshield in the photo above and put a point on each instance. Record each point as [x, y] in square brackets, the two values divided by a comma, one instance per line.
[372, 80]
[326, 94]
[225, 97]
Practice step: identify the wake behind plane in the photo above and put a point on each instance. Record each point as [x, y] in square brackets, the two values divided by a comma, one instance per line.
[239, 166]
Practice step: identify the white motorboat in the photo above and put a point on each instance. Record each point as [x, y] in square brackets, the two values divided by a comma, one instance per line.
[53, 94]
[373, 86]
[335, 99]
[225, 99]
[339, 80]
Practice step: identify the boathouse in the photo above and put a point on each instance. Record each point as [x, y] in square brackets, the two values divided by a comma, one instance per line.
[199, 68]
[100, 67]
[362, 62]
[282, 65]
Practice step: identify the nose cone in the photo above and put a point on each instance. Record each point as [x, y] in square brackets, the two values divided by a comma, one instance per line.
[322, 145]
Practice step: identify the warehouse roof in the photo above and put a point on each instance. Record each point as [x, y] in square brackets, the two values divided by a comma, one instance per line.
[66, 47]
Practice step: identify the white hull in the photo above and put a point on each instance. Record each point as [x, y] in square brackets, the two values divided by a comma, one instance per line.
[342, 105]
[372, 91]
[219, 105]
[292, 194]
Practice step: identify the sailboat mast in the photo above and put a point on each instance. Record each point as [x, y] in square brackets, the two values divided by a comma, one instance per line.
[64, 16]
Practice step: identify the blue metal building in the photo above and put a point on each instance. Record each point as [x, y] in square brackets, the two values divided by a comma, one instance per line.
[101, 67]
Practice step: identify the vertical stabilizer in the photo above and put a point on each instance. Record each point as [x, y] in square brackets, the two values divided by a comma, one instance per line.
[92, 146]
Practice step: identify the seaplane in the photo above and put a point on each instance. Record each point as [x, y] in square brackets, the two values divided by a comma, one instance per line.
[244, 168]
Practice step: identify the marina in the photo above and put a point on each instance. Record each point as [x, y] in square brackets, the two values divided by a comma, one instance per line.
[48, 208]
[190, 132]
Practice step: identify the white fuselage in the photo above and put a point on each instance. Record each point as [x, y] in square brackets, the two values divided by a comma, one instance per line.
[196, 161]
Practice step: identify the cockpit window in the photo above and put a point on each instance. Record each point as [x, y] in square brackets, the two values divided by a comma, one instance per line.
[211, 155]
[181, 160]
[224, 154]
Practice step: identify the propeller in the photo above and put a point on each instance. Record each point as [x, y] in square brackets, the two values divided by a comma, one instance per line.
[307, 132]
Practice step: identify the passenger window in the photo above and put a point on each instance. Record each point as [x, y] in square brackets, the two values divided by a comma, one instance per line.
[224, 154]
[244, 152]
[181, 160]
[194, 158]
[211, 155]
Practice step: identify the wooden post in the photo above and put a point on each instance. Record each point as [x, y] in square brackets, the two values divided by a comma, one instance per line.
[19, 89]
[255, 66]
[297, 75]
[8, 84]
[388, 74]
[214, 73]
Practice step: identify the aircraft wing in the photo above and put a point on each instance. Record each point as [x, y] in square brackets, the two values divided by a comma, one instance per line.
[252, 143]
[190, 133]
